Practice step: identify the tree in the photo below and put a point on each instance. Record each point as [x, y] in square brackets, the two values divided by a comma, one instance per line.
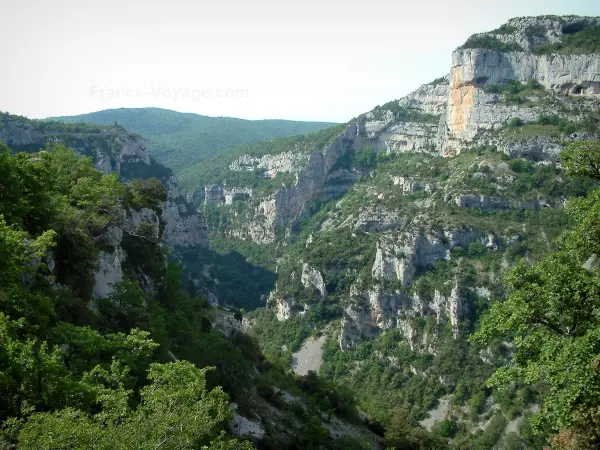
[582, 158]
[405, 434]
[176, 411]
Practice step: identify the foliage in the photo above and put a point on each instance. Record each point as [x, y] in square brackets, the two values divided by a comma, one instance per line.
[405, 114]
[552, 320]
[582, 158]
[514, 87]
[80, 377]
[403, 433]
[176, 411]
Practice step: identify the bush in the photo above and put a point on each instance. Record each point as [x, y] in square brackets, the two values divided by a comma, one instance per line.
[476, 405]
[520, 165]
[448, 428]
[516, 122]
[364, 158]
[476, 249]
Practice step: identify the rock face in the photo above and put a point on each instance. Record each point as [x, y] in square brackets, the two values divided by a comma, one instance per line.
[312, 278]
[109, 271]
[408, 212]
[443, 118]
[183, 225]
[241, 426]
[282, 208]
[271, 164]
[217, 195]
[374, 310]
[399, 256]
[469, 109]
[110, 259]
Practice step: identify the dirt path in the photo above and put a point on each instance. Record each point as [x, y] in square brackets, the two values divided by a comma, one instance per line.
[309, 357]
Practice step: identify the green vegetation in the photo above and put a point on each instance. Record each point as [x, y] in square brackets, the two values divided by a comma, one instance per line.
[180, 140]
[586, 40]
[504, 29]
[74, 376]
[440, 80]
[404, 114]
[490, 42]
[516, 93]
[551, 126]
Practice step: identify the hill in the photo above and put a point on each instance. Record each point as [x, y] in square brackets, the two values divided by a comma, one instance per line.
[179, 140]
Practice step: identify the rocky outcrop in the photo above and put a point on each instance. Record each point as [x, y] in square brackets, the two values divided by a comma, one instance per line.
[241, 426]
[312, 279]
[469, 109]
[226, 323]
[270, 164]
[456, 308]
[372, 219]
[409, 185]
[218, 195]
[429, 98]
[213, 195]
[182, 225]
[281, 305]
[109, 271]
[112, 257]
[398, 256]
[374, 310]
[283, 207]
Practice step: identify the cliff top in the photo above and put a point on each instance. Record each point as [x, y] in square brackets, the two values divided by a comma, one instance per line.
[542, 35]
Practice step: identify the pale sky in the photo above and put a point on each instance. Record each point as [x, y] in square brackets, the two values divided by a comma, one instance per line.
[327, 60]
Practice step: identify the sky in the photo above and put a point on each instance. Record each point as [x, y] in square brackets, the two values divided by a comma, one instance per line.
[327, 60]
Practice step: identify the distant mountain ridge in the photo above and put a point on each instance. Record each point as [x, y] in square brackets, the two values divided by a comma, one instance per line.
[179, 140]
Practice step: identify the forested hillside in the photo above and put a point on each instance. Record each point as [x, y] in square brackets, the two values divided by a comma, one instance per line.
[180, 140]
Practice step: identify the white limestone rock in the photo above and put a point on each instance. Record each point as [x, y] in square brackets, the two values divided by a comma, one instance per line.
[109, 271]
[312, 278]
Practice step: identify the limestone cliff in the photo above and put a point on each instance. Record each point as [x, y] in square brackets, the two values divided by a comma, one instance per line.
[449, 186]
[471, 106]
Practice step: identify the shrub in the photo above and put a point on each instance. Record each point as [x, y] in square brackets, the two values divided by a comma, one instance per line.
[476, 249]
[516, 122]
[520, 165]
[448, 428]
